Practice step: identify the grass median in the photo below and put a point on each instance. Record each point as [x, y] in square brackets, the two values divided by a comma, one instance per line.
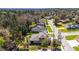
[49, 28]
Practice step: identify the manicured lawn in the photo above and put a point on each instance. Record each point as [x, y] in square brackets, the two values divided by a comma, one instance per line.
[50, 35]
[63, 29]
[66, 30]
[49, 28]
[72, 37]
[76, 48]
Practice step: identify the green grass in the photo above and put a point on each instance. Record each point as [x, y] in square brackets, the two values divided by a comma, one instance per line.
[50, 47]
[63, 30]
[76, 30]
[1, 41]
[33, 23]
[72, 37]
[49, 28]
[30, 33]
[76, 48]
[33, 48]
[17, 41]
[50, 35]
[66, 30]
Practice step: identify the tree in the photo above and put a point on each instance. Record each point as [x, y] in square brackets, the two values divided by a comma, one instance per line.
[56, 44]
[26, 41]
[9, 46]
[56, 19]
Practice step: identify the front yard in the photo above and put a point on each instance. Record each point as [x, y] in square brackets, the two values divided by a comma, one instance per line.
[76, 48]
[72, 37]
[63, 29]
[66, 30]
[33, 48]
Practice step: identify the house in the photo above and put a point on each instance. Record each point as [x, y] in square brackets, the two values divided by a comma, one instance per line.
[41, 24]
[72, 26]
[35, 38]
[37, 28]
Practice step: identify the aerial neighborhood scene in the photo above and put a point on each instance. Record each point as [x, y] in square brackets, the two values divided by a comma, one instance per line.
[43, 29]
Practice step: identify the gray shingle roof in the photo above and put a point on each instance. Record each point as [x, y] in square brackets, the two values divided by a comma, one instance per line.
[35, 37]
[38, 28]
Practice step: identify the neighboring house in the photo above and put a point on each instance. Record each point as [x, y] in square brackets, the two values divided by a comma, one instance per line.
[35, 38]
[37, 28]
[72, 26]
[41, 24]
[48, 17]
[77, 20]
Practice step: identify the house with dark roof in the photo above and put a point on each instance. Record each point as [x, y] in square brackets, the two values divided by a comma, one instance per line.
[37, 28]
[35, 38]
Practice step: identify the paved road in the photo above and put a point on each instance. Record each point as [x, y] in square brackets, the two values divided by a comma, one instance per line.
[54, 29]
[66, 46]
